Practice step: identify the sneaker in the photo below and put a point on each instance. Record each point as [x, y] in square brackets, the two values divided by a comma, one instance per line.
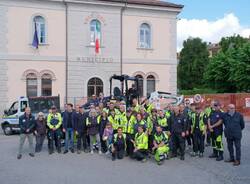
[78, 151]
[160, 163]
[91, 152]
[166, 156]
[72, 150]
[31, 154]
[208, 144]
[107, 153]
[236, 163]
[51, 152]
[144, 160]
[193, 154]
[182, 158]
[19, 156]
[200, 155]
[100, 152]
[65, 152]
[230, 160]
[219, 158]
[213, 156]
[173, 155]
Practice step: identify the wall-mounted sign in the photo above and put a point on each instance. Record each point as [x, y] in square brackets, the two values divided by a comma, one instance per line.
[247, 102]
[94, 60]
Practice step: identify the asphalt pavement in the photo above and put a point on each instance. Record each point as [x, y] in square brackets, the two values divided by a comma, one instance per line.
[99, 169]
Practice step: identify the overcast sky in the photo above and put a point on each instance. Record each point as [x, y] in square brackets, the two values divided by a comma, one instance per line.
[212, 19]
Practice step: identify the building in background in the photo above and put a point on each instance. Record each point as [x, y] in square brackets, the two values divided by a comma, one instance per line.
[80, 44]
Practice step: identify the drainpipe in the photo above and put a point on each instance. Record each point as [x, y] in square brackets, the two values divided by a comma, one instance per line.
[66, 51]
[121, 38]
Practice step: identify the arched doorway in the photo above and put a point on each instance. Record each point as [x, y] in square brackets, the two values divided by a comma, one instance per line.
[95, 86]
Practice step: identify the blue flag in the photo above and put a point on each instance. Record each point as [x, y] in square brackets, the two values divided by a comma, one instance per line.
[35, 42]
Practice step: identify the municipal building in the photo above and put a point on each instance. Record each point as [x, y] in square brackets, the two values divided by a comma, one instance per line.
[72, 47]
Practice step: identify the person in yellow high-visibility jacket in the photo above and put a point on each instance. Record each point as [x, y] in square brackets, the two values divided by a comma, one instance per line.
[54, 122]
[130, 123]
[140, 144]
[198, 130]
[161, 147]
[112, 118]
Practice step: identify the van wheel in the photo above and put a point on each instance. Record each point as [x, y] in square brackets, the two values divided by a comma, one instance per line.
[7, 130]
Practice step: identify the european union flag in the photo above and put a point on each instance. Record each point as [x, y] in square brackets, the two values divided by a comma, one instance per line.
[35, 42]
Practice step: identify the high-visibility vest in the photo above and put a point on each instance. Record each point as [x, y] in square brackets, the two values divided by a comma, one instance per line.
[162, 137]
[112, 120]
[121, 121]
[150, 124]
[130, 124]
[201, 122]
[141, 141]
[116, 136]
[137, 108]
[163, 122]
[149, 108]
[88, 122]
[54, 120]
[208, 111]
[167, 114]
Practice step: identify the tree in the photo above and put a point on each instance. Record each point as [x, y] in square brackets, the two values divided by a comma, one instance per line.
[235, 42]
[240, 70]
[217, 74]
[229, 70]
[192, 64]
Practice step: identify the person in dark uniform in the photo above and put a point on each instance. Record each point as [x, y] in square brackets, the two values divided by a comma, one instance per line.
[133, 94]
[215, 126]
[177, 125]
[81, 130]
[234, 124]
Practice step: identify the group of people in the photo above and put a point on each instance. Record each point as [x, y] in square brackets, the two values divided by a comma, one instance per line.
[138, 131]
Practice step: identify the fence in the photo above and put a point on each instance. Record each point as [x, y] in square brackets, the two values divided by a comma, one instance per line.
[241, 101]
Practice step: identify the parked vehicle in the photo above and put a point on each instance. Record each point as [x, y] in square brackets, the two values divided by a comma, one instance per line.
[10, 123]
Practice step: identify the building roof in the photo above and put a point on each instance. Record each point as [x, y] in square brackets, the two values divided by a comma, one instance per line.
[148, 3]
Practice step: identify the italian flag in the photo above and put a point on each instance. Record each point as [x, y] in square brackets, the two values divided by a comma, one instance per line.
[97, 38]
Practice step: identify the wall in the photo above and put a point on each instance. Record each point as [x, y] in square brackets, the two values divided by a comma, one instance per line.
[80, 16]
[160, 60]
[3, 62]
[17, 54]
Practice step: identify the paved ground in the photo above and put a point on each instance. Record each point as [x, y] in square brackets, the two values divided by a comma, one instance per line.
[86, 168]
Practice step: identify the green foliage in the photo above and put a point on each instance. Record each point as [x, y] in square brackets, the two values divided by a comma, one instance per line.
[231, 42]
[198, 91]
[229, 70]
[193, 61]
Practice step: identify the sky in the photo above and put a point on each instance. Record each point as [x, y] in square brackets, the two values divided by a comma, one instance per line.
[212, 19]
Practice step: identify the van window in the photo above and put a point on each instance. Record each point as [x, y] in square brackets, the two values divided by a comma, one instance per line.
[13, 109]
[24, 104]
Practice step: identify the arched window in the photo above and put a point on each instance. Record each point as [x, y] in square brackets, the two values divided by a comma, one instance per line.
[145, 36]
[41, 29]
[150, 84]
[140, 85]
[95, 32]
[95, 86]
[46, 84]
[31, 85]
